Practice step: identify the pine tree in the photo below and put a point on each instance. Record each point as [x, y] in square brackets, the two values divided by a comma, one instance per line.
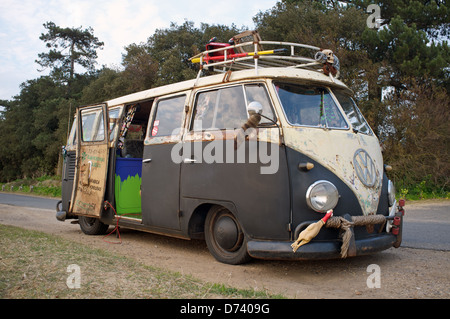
[68, 47]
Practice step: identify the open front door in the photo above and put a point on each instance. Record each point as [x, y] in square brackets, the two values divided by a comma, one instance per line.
[92, 161]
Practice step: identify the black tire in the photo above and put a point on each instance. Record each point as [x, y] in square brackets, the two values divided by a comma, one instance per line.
[225, 237]
[92, 226]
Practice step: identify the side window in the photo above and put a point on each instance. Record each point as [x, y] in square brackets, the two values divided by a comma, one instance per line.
[169, 114]
[231, 110]
[220, 109]
[72, 140]
[92, 127]
[113, 114]
[226, 108]
[89, 124]
[257, 92]
[205, 105]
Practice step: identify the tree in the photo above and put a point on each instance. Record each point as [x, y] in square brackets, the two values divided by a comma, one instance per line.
[109, 84]
[27, 130]
[431, 16]
[327, 25]
[417, 136]
[67, 47]
[171, 48]
[140, 67]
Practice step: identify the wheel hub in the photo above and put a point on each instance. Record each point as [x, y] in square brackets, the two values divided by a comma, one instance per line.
[226, 233]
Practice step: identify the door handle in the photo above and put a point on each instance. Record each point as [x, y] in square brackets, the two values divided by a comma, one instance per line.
[147, 160]
[189, 160]
[90, 168]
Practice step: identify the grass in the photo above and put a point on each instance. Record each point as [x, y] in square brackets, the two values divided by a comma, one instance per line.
[48, 186]
[34, 265]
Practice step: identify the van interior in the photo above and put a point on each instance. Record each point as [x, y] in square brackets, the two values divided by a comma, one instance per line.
[129, 153]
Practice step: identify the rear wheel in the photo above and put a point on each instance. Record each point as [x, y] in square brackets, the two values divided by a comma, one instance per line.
[92, 226]
[224, 237]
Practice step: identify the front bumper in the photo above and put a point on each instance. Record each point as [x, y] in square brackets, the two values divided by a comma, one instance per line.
[61, 214]
[331, 249]
[318, 249]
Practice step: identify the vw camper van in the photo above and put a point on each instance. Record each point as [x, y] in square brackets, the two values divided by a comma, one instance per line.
[250, 156]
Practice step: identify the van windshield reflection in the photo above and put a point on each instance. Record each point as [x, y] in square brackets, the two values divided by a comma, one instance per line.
[310, 106]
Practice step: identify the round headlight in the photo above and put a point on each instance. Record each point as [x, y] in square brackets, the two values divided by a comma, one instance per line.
[391, 193]
[322, 196]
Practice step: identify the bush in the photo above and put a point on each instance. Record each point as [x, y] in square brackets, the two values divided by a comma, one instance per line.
[416, 138]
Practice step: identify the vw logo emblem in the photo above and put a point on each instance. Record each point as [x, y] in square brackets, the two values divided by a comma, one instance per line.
[365, 168]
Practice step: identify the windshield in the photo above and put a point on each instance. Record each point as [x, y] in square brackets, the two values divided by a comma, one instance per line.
[310, 106]
[351, 110]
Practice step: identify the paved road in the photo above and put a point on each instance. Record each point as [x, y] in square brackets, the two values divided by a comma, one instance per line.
[28, 201]
[426, 224]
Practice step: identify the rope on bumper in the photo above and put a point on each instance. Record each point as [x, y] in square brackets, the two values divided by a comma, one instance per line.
[345, 226]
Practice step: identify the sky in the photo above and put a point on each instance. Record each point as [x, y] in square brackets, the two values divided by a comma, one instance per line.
[117, 23]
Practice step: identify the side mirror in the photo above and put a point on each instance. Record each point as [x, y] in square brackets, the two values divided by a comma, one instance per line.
[254, 107]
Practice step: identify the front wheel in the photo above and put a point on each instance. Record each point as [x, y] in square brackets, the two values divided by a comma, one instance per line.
[92, 226]
[224, 237]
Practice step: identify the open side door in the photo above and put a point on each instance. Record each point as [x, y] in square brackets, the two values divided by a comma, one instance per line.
[92, 161]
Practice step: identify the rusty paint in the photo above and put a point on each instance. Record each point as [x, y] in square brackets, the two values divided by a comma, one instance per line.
[335, 149]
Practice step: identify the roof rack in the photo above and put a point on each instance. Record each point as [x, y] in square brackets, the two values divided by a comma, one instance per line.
[238, 55]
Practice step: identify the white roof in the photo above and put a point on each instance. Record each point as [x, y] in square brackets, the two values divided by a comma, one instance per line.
[288, 73]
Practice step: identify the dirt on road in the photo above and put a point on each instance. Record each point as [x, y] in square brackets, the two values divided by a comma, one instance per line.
[403, 272]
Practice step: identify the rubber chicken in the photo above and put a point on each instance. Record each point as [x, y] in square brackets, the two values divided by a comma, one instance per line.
[311, 231]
